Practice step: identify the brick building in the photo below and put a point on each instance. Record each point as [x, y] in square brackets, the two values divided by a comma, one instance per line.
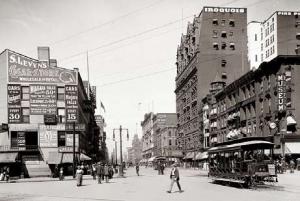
[215, 43]
[40, 101]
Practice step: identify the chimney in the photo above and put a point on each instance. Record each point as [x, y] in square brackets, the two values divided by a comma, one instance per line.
[53, 63]
[43, 53]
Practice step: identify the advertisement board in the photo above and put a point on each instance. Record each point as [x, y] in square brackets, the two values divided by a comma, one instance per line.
[43, 99]
[71, 98]
[48, 138]
[69, 140]
[281, 87]
[27, 70]
[14, 95]
[21, 139]
[14, 115]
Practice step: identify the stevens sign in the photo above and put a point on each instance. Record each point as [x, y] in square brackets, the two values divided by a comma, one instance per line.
[26, 70]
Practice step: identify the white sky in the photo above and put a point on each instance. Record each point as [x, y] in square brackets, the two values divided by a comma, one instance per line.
[125, 39]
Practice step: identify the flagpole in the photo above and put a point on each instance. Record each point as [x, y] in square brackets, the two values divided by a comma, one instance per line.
[88, 72]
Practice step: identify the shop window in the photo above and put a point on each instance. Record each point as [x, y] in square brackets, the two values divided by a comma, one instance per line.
[231, 23]
[215, 22]
[25, 93]
[60, 93]
[232, 46]
[25, 115]
[61, 138]
[223, 46]
[216, 46]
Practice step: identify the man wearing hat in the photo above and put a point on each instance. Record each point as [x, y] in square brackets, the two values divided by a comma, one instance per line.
[174, 176]
[99, 172]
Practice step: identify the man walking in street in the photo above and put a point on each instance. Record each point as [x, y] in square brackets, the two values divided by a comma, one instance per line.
[174, 176]
[99, 172]
[106, 173]
[137, 169]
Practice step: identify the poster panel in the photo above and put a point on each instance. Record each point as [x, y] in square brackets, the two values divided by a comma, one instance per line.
[71, 98]
[14, 95]
[14, 115]
[43, 99]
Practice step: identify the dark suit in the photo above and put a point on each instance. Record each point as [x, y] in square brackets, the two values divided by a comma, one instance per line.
[174, 176]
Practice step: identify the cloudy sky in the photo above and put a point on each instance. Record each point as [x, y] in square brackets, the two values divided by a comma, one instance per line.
[131, 45]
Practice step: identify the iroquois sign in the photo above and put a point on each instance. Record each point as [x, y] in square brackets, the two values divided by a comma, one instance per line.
[24, 69]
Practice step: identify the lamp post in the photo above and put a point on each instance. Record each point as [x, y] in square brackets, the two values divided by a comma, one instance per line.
[121, 156]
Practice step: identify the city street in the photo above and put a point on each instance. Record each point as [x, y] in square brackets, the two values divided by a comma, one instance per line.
[148, 186]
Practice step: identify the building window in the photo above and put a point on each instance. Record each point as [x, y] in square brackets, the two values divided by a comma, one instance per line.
[261, 86]
[256, 58]
[60, 93]
[170, 142]
[261, 47]
[232, 46]
[255, 37]
[231, 23]
[223, 34]
[61, 115]
[262, 57]
[215, 34]
[224, 76]
[25, 93]
[223, 22]
[298, 36]
[25, 115]
[223, 46]
[215, 22]
[297, 24]
[170, 133]
[223, 63]
[216, 46]
[61, 138]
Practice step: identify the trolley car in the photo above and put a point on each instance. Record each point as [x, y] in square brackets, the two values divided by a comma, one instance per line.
[245, 162]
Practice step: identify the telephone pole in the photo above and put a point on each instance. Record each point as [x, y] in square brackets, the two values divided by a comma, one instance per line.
[121, 173]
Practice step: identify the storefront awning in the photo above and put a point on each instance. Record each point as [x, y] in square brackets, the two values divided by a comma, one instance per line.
[151, 159]
[293, 147]
[8, 157]
[290, 121]
[84, 157]
[189, 155]
[54, 158]
[67, 158]
[201, 156]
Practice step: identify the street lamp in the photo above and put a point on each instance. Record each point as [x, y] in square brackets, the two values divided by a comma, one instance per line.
[121, 156]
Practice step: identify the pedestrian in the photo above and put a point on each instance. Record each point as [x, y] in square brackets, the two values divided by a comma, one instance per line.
[106, 173]
[79, 174]
[61, 173]
[110, 171]
[292, 166]
[94, 171]
[162, 168]
[137, 169]
[174, 176]
[99, 172]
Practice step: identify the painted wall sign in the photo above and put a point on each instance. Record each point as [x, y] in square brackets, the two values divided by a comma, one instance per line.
[69, 140]
[24, 69]
[14, 95]
[71, 98]
[224, 10]
[14, 115]
[21, 139]
[43, 99]
[281, 87]
[48, 138]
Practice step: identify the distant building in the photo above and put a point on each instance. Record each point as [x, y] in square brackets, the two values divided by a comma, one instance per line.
[147, 138]
[215, 43]
[277, 35]
[100, 121]
[40, 101]
[137, 149]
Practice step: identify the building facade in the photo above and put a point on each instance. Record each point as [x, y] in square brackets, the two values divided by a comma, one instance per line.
[41, 103]
[262, 103]
[215, 43]
[137, 149]
[147, 138]
[277, 35]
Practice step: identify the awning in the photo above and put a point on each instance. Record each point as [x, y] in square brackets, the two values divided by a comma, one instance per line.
[293, 147]
[54, 158]
[230, 134]
[84, 157]
[202, 156]
[290, 121]
[189, 155]
[151, 159]
[67, 158]
[8, 157]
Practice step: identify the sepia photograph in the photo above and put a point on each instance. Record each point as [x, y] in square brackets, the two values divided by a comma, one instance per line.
[149, 100]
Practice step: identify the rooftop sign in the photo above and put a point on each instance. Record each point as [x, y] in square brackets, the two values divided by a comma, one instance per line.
[224, 10]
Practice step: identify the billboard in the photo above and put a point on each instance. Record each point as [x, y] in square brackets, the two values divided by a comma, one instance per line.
[71, 98]
[27, 70]
[69, 140]
[43, 99]
[281, 97]
[48, 138]
[14, 115]
[14, 95]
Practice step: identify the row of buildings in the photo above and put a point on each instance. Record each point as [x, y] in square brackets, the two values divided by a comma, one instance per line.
[43, 109]
[237, 79]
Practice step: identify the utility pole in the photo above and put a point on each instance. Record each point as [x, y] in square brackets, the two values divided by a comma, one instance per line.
[74, 162]
[121, 173]
[116, 152]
